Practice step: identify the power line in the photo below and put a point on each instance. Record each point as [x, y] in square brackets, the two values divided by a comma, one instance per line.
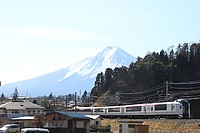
[164, 92]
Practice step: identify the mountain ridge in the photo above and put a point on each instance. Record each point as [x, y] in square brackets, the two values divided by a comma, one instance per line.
[79, 76]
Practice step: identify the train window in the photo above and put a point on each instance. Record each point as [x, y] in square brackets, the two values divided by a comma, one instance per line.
[113, 109]
[99, 110]
[82, 110]
[135, 108]
[151, 108]
[161, 107]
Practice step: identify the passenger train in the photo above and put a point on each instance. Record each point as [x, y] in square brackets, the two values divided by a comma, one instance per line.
[177, 109]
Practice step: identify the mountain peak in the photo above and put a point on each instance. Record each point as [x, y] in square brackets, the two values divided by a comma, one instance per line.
[99, 61]
[102, 49]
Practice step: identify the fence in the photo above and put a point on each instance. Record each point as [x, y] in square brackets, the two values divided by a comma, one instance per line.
[100, 129]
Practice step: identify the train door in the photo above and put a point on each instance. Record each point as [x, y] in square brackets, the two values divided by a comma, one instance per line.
[105, 111]
[186, 110]
[122, 110]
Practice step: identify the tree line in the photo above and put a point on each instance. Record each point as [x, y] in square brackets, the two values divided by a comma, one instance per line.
[174, 65]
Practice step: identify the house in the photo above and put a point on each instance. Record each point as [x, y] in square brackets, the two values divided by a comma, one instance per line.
[132, 126]
[24, 121]
[95, 120]
[72, 121]
[20, 108]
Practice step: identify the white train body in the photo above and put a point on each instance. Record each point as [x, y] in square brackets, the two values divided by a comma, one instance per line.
[176, 109]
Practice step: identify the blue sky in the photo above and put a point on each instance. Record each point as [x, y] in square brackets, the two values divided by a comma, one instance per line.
[40, 36]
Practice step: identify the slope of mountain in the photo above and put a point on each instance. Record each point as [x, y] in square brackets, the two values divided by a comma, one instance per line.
[77, 77]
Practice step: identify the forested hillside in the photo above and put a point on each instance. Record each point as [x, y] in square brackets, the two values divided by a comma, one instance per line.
[179, 65]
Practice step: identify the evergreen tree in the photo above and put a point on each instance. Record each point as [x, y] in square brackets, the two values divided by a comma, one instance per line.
[108, 79]
[2, 97]
[51, 96]
[15, 95]
[181, 64]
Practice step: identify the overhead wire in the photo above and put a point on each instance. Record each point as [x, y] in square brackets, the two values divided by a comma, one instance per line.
[186, 90]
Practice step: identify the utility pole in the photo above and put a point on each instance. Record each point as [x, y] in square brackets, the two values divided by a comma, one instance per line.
[75, 102]
[167, 89]
[117, 98]
[66, 102]
[158, 94]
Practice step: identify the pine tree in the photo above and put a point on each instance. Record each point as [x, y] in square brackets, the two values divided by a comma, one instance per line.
[2, 97]
[15, 95]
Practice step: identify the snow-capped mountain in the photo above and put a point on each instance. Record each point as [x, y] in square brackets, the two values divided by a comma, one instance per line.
[77, 77]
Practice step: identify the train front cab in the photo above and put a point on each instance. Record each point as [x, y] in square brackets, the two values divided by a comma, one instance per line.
[185, 108]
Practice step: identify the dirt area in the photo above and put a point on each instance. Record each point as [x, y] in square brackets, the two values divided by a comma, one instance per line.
[161, 125]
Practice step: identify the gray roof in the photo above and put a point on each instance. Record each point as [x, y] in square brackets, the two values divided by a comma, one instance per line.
[73, 115]
[24, 118]
[20, 105]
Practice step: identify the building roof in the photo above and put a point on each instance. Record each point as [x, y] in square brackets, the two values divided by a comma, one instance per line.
[24, 118]
[20, 105]
[94, 117]
[73, 115]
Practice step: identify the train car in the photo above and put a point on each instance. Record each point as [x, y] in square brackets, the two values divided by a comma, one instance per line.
[155, 110]
[177, 109]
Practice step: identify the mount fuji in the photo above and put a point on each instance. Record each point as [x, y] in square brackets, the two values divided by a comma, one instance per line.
[77, 77]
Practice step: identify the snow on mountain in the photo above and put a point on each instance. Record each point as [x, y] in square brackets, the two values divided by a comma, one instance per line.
[77, 77]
